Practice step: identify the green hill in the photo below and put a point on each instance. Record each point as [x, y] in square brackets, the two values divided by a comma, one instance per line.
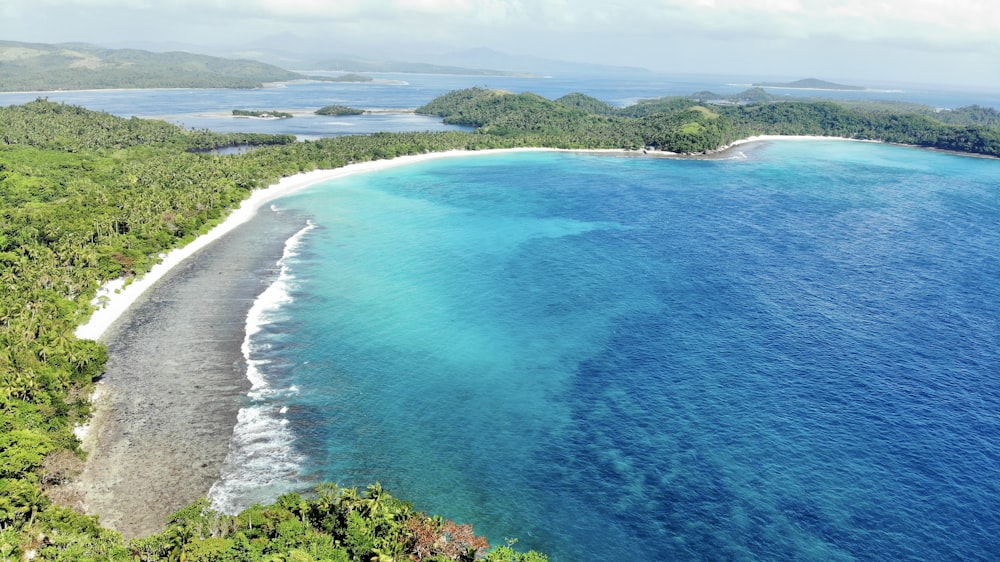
[26, 67]
[681, 124]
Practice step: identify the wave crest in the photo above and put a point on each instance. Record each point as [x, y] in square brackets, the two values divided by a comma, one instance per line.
[262, 462]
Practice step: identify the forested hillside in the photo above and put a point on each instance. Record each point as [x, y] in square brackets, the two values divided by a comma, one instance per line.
[686, 124]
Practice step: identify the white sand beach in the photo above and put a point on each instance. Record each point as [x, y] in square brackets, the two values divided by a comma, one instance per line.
[115, 297]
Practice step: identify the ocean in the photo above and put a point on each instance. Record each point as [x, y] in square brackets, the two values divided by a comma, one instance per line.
[791, 354]
[788, 354]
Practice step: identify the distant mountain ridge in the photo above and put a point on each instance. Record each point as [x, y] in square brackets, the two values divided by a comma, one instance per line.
[359, 65]
[80, 66]
[488, 58]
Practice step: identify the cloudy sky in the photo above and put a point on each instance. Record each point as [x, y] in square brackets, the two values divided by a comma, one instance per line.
[919, 41]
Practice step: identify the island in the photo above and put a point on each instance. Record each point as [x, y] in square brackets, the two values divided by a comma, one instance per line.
[261, 114]
[338, 110]
[91, 198]
[808, 84]
[349, 77]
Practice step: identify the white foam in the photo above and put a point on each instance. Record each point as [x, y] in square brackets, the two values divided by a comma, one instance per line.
[262, 462]
[266, 305]
[261, 458]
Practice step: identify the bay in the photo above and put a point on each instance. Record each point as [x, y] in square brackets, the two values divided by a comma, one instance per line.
[787, 355]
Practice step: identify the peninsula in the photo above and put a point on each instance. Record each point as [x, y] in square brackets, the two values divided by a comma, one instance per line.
[36, 67]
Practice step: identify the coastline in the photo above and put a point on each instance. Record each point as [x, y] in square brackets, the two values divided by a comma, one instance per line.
[174, 381]
[166, 409]
[764, 138]
[118, 296]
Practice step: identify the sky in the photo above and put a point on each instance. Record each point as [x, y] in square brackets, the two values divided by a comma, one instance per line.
[938, 42]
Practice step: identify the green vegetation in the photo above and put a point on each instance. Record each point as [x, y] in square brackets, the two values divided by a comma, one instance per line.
[56, 126]
[588, 104]
[86, 197]
[833, 119]
[338, 110]
[339, 524]
[261, 114]
[970, 116]
[702, 123]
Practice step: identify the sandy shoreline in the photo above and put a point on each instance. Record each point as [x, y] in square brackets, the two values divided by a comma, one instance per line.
[117, 297]
[175, 380]
[167, 405]
[166, 408]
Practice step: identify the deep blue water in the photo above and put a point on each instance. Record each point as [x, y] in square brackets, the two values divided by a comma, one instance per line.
[791, 356]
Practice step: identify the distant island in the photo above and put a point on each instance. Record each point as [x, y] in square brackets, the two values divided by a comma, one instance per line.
[338, 110]
[34, 67]
[263, 114]
[808, 84]
[349, 77]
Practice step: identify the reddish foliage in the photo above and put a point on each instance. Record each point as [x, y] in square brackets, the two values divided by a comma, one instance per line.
[448, 539]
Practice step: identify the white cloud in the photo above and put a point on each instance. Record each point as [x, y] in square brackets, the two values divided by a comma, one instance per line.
[944, 20]
[704, 31]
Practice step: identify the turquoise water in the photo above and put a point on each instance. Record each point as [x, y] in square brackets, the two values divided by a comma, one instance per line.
[788, 355]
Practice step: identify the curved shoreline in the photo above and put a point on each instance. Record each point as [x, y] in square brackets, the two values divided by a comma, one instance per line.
[174, 381]
[117, 296]
[166, 410]
[167, 406]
